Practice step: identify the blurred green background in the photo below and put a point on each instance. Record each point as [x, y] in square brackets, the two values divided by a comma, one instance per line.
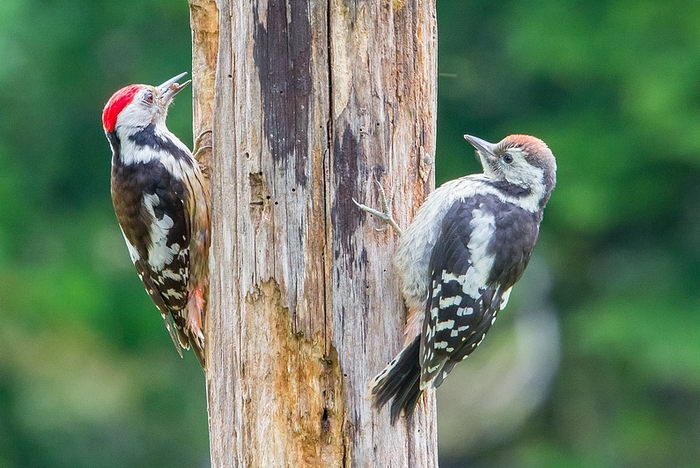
[596, 363]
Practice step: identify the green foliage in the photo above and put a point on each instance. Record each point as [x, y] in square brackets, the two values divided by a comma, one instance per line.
[612, 87]
[87, 374]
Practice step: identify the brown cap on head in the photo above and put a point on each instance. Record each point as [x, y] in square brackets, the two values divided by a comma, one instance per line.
[530, 144]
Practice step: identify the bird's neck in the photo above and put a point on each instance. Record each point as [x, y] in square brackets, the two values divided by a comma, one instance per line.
[532, 196]
[141, 145]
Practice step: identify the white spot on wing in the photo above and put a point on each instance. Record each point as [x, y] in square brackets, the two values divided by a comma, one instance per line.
[159, 253]
[172, 293]
[446, 302]
[465, 311]
[446, 325]
[167, 273]
[483, 225]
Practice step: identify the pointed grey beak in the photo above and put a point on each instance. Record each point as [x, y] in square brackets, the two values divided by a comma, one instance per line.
[170, 88]
[482, 146]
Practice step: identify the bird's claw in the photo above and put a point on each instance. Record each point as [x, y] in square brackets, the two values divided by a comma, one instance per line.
[384, 215]
[202, 151]
[382, 196]
[202, 142]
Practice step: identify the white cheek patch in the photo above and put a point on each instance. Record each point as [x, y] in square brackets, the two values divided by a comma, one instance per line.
[522, 173]
[135, 114]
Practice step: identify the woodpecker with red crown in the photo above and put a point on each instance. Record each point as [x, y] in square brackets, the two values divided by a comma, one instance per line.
[161, 199]
[458, 260]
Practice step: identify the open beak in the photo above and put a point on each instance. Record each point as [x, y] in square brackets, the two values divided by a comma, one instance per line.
[170, 88]
[486, 149]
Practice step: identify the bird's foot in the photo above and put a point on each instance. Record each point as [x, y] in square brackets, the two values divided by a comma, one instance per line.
[203, 141]
[202, 150]
[385, 214]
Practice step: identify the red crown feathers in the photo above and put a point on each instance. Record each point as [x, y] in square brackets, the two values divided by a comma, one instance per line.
[116, 104]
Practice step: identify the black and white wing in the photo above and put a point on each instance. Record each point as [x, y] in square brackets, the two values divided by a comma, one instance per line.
[153, 218]
[463, 297]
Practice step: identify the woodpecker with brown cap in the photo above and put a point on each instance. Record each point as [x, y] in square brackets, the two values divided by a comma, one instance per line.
[458, 260]
[161, 199]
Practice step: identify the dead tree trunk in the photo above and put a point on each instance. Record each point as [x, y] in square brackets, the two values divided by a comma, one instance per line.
[313, 98]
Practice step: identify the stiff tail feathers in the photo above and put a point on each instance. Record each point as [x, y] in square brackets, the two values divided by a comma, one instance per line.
[184, 338]
[174, 333]
[197, 342]
[189, 338]
[400, 381]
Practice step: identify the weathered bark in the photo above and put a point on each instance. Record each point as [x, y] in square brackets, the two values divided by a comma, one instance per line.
[204, 22]
[313, 99]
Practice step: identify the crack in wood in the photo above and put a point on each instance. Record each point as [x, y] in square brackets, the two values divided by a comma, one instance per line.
[311, 99]
[304, 376]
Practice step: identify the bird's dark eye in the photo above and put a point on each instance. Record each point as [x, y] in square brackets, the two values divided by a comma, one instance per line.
[148, 97]
[508, 158]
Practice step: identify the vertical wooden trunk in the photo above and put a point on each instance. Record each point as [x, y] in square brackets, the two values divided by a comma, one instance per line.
[312, 100]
